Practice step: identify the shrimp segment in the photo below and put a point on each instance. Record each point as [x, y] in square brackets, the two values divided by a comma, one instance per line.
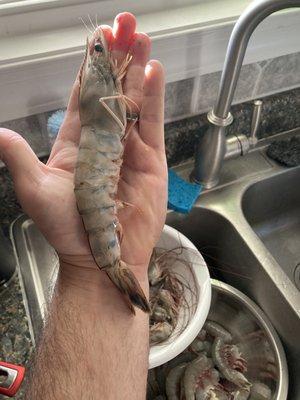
[103, 119]
[173, 381]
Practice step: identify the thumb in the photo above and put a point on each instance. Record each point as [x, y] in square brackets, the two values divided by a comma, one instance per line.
[18, 156]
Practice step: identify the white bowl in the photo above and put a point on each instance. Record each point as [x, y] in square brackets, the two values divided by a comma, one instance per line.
[199, 282]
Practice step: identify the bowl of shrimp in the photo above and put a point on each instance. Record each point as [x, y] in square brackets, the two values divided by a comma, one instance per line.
[180, 295]
[236, 355]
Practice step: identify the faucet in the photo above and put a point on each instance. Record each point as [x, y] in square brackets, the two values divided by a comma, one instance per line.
[214, 147]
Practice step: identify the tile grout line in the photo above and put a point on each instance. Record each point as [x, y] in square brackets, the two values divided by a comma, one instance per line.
[258, 80]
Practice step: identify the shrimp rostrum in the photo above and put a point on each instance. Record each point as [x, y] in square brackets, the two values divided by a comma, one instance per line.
[103, 108]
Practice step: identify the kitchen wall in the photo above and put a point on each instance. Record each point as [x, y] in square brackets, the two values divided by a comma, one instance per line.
[194, 96]
[197, 95]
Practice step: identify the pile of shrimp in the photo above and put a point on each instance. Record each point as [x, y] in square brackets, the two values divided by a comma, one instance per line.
[215, 368]
[170, 295]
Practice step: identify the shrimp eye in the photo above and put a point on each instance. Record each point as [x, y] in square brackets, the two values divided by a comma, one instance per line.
[98, 48]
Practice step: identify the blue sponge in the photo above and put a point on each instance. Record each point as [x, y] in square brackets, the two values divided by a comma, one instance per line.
[54, 122]
[181, 194]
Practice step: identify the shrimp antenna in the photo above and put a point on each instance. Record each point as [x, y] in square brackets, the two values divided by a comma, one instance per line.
[92, 23]
[86, 27]
[97, 21]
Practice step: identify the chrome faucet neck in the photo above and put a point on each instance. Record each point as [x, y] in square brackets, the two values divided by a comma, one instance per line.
[213, 143]
[254, 14]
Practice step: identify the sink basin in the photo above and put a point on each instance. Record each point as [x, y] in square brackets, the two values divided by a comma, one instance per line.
[240, 227]
[231, 259]
[227, 255]
[272, 208]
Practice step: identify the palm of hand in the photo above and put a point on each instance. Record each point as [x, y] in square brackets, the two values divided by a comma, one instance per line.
[51, 201]
[46, 192]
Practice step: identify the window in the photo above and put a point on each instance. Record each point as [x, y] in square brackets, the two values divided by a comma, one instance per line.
[42, 42]
[25, 16]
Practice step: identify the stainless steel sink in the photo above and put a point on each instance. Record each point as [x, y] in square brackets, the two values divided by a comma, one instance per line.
[272, 208]
[232, 225]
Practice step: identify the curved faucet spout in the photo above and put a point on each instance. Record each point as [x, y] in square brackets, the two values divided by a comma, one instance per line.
[206, 172]
[242, 31]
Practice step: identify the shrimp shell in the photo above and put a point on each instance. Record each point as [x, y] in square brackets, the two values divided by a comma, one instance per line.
[154, 271]
[216, 330]
[173, 381]
[102, 111]
[226, 370]
[201, 376]
[260, 391]
[241, 394]
[159, 314]
[160, 332]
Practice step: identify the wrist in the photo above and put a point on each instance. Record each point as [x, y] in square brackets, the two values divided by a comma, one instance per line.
[83, 272]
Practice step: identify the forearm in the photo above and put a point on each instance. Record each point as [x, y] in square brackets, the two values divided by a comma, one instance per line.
[92, 347]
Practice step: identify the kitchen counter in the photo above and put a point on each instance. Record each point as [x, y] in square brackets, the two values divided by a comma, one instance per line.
[15, 342]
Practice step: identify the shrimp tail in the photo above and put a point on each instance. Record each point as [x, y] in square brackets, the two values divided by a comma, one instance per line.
[127, 283]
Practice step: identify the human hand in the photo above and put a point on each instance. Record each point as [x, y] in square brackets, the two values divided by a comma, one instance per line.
[46, 192]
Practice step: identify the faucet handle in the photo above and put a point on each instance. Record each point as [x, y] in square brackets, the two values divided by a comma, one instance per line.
[256, 118]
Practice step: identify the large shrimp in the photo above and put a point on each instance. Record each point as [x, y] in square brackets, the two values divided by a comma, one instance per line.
[230, 363]
[102, 108]
[173, 381]
[199, 378]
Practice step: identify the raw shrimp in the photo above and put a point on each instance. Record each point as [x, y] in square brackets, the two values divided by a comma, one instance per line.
[200, 377]
[216, 330]
[152, 385]
[160, 332]
[159, 314]
[228, 360]
[185, 357]
[154, 271]
[260, 391]
[241, 394]
[262, 362]
[173, 381]
[170, 293]
[199, 345]
[163, 317]
[164, 313]
[213, 393]
[102, 108]
[167, 301]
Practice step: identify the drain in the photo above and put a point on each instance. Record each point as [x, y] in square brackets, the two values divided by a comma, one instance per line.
[297, 276]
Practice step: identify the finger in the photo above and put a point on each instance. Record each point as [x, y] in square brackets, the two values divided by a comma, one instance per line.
[69, 133]
[123, 31]
[152, 113]
[134, 81]
[18, 156]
